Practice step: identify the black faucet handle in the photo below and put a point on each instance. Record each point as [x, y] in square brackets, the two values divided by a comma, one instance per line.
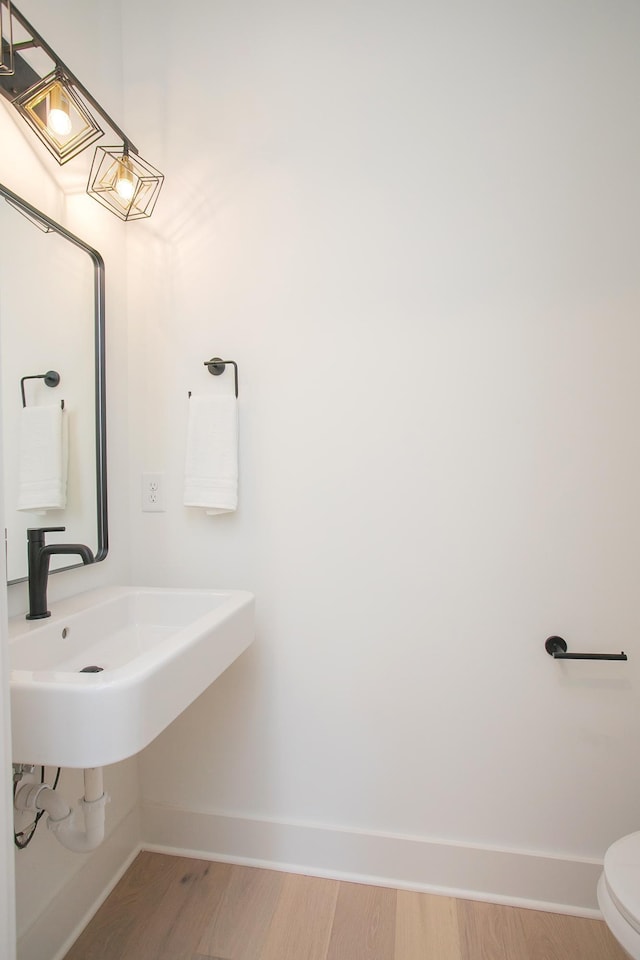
[36, 534]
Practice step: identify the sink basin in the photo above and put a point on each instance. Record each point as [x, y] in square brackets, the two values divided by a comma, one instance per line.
[158, 649]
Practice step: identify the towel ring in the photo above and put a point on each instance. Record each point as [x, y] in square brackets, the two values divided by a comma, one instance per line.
[216, 366]
[51, 379]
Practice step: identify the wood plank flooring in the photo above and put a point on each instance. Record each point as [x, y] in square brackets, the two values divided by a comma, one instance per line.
[174, 908]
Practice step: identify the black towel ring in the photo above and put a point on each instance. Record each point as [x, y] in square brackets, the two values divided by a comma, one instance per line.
[216, 366]
[51, 379]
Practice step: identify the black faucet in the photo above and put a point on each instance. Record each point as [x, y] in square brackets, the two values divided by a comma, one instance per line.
[39, 555]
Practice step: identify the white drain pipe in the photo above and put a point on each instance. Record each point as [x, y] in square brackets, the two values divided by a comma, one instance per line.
[61, 819]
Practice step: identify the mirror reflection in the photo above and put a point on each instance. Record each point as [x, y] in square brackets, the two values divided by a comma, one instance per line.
[52, 375]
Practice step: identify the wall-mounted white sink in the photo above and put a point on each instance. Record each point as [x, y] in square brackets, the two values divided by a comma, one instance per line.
[159, 649]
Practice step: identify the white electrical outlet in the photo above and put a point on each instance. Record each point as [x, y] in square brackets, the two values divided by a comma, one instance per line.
[152, 493]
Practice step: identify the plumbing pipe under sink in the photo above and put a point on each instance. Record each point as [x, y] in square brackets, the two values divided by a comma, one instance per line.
[62, 819]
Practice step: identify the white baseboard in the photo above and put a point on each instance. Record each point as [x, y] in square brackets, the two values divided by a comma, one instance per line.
[513, 877]
[72, 908]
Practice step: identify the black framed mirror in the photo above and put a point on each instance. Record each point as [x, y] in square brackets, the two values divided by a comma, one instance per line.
[52, 376]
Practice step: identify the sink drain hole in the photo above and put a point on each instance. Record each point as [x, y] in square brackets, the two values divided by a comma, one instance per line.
[92, 669]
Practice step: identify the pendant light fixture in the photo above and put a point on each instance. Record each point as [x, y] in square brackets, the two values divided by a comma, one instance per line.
[57, 115]
[62, 113]
[124, 183]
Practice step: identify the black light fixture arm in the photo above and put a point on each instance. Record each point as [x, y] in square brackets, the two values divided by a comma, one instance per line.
[38, 41]
[24, 44]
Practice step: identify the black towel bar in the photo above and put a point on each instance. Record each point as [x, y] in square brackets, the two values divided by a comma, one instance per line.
[556, 647]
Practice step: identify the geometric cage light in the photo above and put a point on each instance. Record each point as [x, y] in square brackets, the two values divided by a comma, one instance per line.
[61, 112]
[124, 183]
[57, 115]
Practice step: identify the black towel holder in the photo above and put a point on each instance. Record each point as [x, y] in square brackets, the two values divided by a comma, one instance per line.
[51, 379]
[216, 367]
[556, 647]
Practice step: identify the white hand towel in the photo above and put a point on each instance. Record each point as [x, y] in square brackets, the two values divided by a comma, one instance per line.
[211, 471]
[43, 458]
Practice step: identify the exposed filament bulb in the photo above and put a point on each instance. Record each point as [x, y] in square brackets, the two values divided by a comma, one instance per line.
[58, 119]
[125, 180]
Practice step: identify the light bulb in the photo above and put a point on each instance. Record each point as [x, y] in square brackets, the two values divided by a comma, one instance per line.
[58, 119]
[59, 122]
[125, 182]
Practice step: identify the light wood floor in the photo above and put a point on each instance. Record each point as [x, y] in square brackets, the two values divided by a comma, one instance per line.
[173, 908]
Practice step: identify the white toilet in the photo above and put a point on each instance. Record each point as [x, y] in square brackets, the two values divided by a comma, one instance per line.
[619, 892]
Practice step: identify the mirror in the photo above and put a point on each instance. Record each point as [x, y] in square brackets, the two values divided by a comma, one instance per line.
[51, 321]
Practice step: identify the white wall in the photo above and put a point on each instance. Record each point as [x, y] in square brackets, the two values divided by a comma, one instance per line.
[414, 226]
[54, 887]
